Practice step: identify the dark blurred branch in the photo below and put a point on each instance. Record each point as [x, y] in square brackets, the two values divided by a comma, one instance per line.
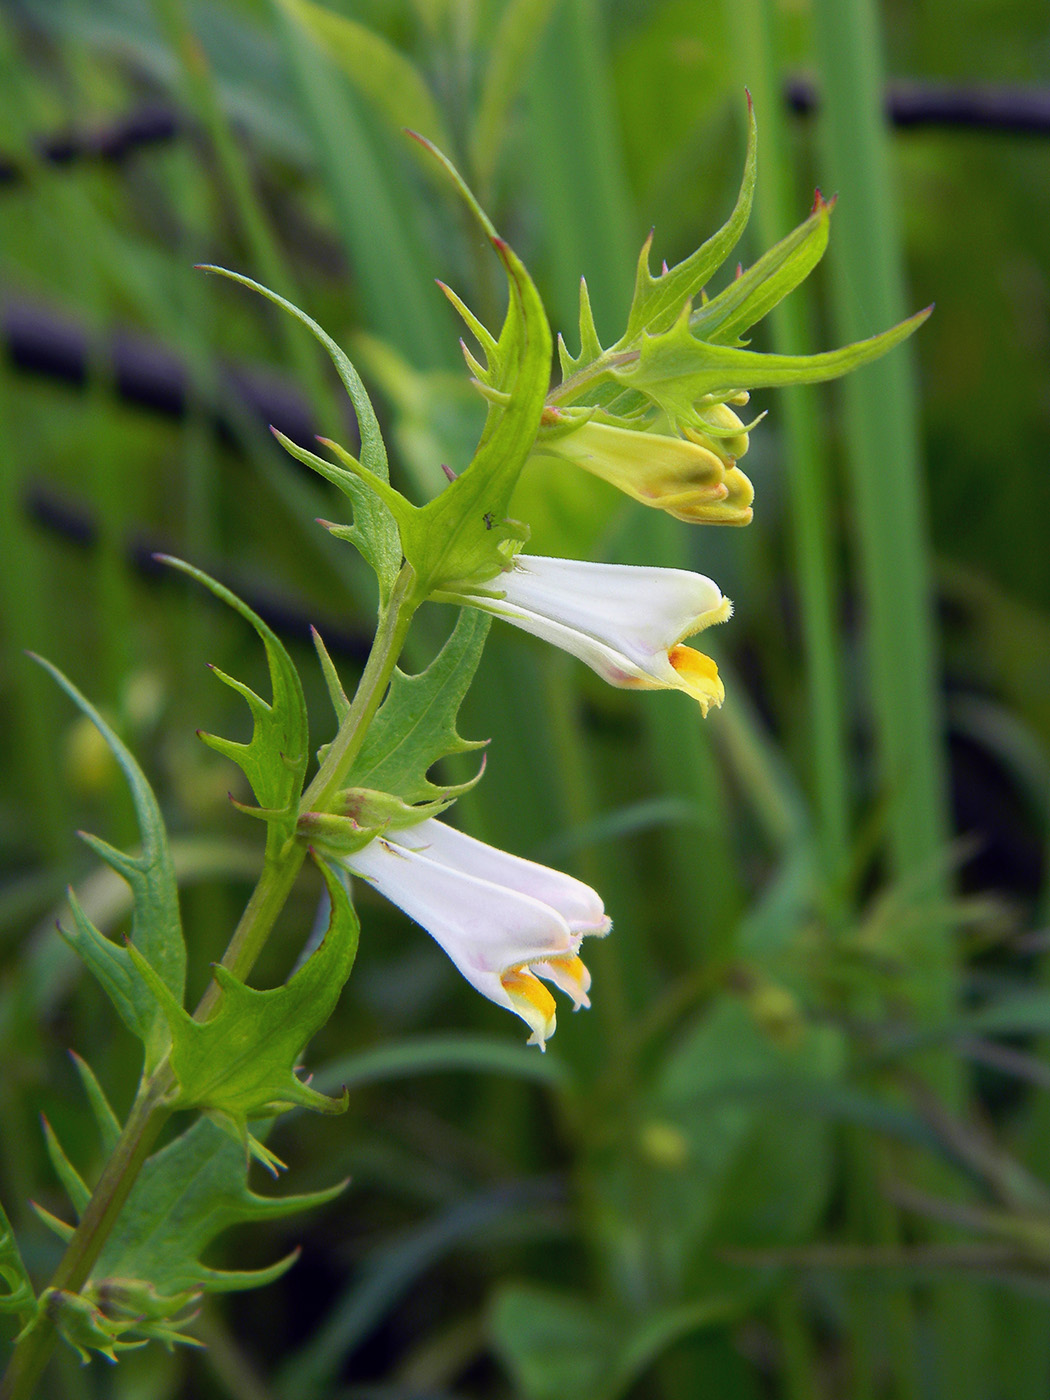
[149, 126]
[146, 373]
[291, 617]
[1010, 110]
[965, 107]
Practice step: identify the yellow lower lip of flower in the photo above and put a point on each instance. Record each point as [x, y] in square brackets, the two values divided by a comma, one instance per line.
[569, 973]
[532, 1001]
[699, 675]
[731, 506]
[660, 492]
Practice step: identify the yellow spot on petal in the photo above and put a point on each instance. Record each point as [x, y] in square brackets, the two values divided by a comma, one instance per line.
[532, 1001]
[699, 676]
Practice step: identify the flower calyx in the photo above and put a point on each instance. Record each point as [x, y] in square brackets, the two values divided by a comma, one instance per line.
[693, 477]
[360, 815]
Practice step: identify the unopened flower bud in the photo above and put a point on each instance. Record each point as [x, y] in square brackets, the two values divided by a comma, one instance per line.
[722, 433]
[683, 477]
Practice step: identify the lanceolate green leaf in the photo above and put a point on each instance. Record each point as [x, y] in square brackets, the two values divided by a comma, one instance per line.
[76, 1188]
[416, 725]
[16, 1293]
[753, 294]
[459, 533]
[514, 43]
[240, 1064]
[111, 965]
[658, 300]
[189, 1193]
[372, 520]
[156, 930]
[275, 759]
[381, 73]
[367, 494]
[675, 368]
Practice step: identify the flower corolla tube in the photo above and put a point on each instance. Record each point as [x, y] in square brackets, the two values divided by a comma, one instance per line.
[627, 622]
[504, 921]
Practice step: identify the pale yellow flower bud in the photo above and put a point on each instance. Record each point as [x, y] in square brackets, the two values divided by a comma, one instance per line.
[681, 475]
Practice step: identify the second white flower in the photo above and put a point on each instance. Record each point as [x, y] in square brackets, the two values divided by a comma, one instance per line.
[627, 622]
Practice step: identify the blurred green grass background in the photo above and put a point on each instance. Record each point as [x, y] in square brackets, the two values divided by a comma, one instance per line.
[800, 1148]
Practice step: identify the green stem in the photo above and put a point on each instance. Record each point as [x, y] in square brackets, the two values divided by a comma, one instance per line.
[390, 636]
[257, 921]
[152, 1108]
[148, 1115]
[279, 873]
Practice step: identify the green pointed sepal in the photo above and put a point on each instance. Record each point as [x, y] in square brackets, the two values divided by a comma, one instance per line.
[116, 1316]
[156, 928]
[84, 1325]
[145, 1311]
[275, 758]
[751, 295]
[240, 1064]
[362, 814]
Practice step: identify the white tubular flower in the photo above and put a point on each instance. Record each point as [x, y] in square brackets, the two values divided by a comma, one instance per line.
[626, 622]
[504, 921]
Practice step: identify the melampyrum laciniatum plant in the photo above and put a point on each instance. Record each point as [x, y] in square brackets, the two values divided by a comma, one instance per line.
[656, 414]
